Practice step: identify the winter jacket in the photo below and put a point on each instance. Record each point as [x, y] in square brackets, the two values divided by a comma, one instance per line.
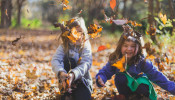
[146, 67]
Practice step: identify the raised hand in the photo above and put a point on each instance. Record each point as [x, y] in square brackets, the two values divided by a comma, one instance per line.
[100, 81]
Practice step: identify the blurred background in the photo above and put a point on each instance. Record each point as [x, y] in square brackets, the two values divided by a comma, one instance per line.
[41, 14]
[28, 40]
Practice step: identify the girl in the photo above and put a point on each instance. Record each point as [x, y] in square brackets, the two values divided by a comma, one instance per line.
[134, 79]
[73, 59]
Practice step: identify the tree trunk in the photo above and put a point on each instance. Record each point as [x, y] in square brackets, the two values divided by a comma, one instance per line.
[9, 11]
[6, 7]
[130, 10]
[124, 9]
[19, 5]
[151, 20]
[157, 6]
[172, 13]
[2, 13]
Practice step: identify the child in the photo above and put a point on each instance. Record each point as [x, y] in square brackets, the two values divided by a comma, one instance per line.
[73, 59]
[134, 79]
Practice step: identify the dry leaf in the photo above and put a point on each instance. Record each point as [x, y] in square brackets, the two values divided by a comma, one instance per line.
[100, 48]
[120, 64]
[163, 18]
[112, 4]
[120, 21]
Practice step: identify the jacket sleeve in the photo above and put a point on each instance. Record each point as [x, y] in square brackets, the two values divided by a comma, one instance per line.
[105, 73]
[158, 78]
[57, 61]
[85, 63]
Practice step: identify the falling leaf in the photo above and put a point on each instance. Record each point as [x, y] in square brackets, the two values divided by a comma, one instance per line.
[112, 4]
[93, 30]
[151, 31]
[16, 40]
[75, 34]
[69, 22]
[80, 11]
[109, 20]
[134, 23]
[27, 10]
[65, 2]
[6, 12]
[100, 48]
[163, 18]
[120, 21]
[120, 64]
[65, 33]
[65, 5]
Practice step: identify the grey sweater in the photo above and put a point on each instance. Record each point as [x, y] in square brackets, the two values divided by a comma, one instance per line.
[81, 71]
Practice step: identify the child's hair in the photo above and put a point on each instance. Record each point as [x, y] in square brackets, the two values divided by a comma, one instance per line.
[128, 35]
[76, 21]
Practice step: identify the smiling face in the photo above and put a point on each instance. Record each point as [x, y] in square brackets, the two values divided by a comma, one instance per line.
[129, 48]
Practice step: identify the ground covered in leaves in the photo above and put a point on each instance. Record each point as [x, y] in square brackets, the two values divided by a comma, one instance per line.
[26, 69]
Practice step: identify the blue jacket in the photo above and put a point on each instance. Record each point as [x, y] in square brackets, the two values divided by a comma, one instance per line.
[143, 66]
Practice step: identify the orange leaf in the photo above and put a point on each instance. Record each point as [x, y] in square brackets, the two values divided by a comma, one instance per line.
[72, 39]
[100, 48]
[120, 64]
[112, 4]
[6, 13]
[79, 60]
[67, 83]
[93, 30]
[69, 22]
[75, 34]
[163, 18]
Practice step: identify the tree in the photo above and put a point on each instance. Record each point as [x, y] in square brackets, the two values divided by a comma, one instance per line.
[6, 8]
[151, 20]
[171, 8]
[19, 5]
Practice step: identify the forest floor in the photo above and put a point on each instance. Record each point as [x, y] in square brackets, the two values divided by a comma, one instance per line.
[26, 69]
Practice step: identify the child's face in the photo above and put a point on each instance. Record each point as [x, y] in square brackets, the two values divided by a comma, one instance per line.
[129, 48]
[80, 40]
[78, 34]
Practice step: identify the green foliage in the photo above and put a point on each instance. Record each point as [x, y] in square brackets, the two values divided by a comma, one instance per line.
[32, 24]
[164, 28]
[26, 23]
[64, 17]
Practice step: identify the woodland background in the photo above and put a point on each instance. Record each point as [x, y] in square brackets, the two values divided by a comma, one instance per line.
[28, 41]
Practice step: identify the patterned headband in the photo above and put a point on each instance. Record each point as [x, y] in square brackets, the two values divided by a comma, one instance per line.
[129, 33]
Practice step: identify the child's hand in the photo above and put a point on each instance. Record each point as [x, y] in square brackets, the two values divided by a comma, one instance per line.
[63, 76]
[100, 81]
[71, 78]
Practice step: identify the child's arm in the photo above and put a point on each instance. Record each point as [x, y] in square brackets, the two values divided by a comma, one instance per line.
[105, 73]
[57, 61]
[158, 78]
[85, 64]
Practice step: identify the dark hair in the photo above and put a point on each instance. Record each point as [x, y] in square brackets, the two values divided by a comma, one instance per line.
[128, 35]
